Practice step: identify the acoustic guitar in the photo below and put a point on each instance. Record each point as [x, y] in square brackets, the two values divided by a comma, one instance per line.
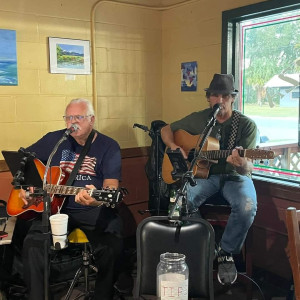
[16, 207]
[209, 155]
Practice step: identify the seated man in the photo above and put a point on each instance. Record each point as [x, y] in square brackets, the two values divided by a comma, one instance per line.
[101, 167]
[231, 176]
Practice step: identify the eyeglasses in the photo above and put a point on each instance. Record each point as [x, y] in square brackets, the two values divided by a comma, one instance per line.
[78, 118]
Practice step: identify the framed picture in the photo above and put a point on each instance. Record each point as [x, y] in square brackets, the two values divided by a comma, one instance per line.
[69, 56]
[8, 57]
[189, 76]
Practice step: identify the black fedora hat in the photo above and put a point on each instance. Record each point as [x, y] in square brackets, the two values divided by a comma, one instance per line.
[222, 84]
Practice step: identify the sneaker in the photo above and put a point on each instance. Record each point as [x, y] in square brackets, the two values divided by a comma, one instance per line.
[227, 273]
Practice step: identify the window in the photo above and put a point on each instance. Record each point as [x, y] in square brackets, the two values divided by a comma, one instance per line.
[261, 48]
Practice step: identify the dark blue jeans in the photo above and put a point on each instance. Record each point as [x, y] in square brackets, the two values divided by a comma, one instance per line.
[240, 193]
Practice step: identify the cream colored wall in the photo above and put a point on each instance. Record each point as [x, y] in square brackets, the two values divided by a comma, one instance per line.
[36, 105]
[192, 33]
[128, 57]
[138, 56]
[128, 48]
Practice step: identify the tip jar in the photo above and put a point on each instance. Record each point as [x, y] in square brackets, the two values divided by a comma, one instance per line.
[172, 277]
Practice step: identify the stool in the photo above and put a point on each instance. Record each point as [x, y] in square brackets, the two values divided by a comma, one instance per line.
[77, 236]
[216, 211]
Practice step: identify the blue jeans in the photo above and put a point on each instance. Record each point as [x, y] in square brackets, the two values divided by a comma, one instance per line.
[240, 193]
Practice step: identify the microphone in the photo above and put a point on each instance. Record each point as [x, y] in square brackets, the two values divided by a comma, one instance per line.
[215, 110]
[72, 128]
[143, 127]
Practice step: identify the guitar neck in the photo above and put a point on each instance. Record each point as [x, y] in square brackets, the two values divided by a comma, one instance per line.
[63, 189]
[217, 154]
[109, 196]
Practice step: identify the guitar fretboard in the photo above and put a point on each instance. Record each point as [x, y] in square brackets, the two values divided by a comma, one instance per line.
[217, 154]
[63, 190]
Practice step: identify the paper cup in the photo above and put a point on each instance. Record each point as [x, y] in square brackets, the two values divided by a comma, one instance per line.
[59, 228]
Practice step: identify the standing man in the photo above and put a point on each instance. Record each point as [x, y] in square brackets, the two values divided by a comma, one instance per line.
[101, 167]
[231, 176]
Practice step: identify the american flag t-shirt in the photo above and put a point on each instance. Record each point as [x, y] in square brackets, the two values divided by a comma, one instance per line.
[69, 159]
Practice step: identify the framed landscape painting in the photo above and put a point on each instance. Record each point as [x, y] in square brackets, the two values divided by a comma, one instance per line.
[8, 57]
[68, 56]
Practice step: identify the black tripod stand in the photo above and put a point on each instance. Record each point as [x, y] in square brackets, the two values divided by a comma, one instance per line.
[24, 179]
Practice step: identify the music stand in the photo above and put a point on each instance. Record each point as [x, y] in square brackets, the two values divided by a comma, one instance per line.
[15, 162]
[23, 168]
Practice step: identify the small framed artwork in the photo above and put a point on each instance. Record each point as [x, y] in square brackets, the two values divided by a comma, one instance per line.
[68, 56]
[189, 76]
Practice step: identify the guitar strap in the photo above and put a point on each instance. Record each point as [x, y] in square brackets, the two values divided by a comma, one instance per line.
[83, 153]
[234, 128]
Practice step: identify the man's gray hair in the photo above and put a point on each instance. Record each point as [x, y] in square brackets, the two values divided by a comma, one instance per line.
[90, 108]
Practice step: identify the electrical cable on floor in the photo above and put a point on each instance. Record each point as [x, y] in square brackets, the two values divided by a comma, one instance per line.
[253, 281]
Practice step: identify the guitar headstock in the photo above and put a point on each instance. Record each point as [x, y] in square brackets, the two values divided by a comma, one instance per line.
[259, 154]
[109, 197]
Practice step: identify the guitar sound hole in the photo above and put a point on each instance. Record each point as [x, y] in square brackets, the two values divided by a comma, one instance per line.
[202, 163]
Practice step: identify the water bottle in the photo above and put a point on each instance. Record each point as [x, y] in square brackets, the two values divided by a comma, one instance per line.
[172, 277]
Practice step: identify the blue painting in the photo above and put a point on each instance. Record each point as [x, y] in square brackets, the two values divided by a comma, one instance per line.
[189, 76]
[8, 57]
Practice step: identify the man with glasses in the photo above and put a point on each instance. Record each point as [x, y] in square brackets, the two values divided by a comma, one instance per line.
[231, 176]
[101, 167]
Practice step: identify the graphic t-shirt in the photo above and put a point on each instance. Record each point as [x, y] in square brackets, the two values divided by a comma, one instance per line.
[103, 161]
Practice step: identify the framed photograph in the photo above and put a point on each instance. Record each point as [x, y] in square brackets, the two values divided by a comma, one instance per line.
[69, 56]
[189, 76]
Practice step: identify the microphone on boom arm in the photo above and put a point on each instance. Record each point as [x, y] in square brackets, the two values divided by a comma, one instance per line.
[215, 110]
[72, 128]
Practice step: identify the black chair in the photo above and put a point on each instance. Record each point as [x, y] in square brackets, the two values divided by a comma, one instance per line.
[194, 237]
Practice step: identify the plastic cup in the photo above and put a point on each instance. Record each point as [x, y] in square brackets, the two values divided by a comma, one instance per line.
[59, 228]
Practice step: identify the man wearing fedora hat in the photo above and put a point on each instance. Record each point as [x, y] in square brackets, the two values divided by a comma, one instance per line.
[231, 176]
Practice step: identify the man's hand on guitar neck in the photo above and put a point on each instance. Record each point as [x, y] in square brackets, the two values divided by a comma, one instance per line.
[243, 165]
[84, 198]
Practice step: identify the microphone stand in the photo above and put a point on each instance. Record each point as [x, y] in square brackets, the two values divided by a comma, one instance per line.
[46, 212]
[188, 177]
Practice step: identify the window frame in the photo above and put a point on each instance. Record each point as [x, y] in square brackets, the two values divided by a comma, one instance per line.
[230, 18]
[230, 21]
